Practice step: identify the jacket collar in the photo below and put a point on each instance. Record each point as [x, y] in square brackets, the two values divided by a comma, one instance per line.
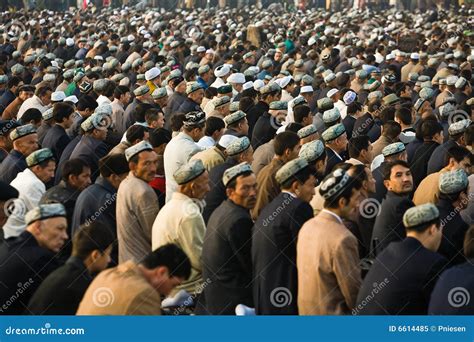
[105, 184]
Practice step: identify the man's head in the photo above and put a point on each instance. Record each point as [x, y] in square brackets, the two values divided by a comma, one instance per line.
[25, 139]
[158, 139]
[166, 267]
[241, 185]
[391, 130]
[335, 137]
[286, 145]
[360, 148]
[453, 188]
[25, 92]
[193, 125]
[63, 114]
[237, 121]
[42, 164]
[363, 174]
[422, 223]
[195, 92]
[155, 118]
[48, 224]
[214, 127]
[240, 150]
[44, 94]
[136, 133]
[86, 106]
[32, 116]
[397, 177]
[142, 161]
[341, 194]
[114, 168]
[315, 153]
[77, 174]
[297, 177]
[432, 130]
[93, 244]
[122, 94]
[193, 179]
[303, 115]
[459, 157]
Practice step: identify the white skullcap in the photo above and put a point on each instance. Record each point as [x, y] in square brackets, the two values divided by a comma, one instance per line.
[306, 89]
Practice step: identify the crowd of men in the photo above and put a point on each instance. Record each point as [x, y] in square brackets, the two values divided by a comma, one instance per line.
[236, 161]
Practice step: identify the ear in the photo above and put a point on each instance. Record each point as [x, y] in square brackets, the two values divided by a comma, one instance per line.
[342, 202]
[387, 184]
[95, 254]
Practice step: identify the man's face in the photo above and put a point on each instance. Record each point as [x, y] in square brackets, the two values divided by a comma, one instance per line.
[27, 144]
[24, 95]
[147, 165]
[401, 180]
[46, 99]
[45, 174]
[247, 155]
[305, 191]
[52, 233]
[197, 96]
[245, 192]
[349, 211]
[244, 126]
[200, 186]
[370, 181]
[69, 121]
[294, 152]
[163, 282]
[83, 180]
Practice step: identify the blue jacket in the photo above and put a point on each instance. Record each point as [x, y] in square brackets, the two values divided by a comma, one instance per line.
[13, 164]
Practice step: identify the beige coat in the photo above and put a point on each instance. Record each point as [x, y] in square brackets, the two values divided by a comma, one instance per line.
[210, 157]
[137, 207]
[122, 290]
[328, 267]
[428, 191]
[262, 156]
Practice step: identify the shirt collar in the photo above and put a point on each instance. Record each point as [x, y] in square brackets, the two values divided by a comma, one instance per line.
[338, 218]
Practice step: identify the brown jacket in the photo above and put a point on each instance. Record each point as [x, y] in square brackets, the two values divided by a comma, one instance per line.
[262, 156]
[267, 186]
[12, 109]
[379, 145]
[122, 290]
[328, 267]
[428, 191]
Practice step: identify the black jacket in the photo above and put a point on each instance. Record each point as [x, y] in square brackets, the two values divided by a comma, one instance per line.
[56, 139]
[62, 291]
[189, 106]
[388, 225]
[274, 252]
[419, 165]
[23, 266]
[90, 150]
[400, 281]
[438, 157]
[264, 130]
[13, 164]
[332, 160]
[227, 261]
[254, 112]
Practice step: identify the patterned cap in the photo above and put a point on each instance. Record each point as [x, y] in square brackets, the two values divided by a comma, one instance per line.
[451, 80]
[235, 171]
[250, 72]
[238, 78]
[459, 127]
[461, 82]
[142, 90]
[234, 106]
[247, 55]
[392, 149]
[45, 211]
[68, 74]
[203, 69]
[453, 182]
[104, 109]
[350, 72]
[319, 70]
[137, 62]
[234, 117]
[159, 93]
[307, 80]
[266, 64]
[238, 146]
[220, 101]
[299, 63]
[334, 183]
[420, 214]
[331, 115]
[330, 77]
[48, 114]
[426, 84]
[189, 171]
[78, 76]
[279, 105]
[39, 156]
[290, 169]
[17, 69]
[312, 150]
[418, 104]
[137, 148]
[22, 131]
[174, 74]
[92, 122]
[3, 79]
[324, 104]
[224, 89]
[221, 70]
[100, 84]
[413, 77]
[333, 132]
[361, 74]
[349, 97]
[269, 88]
[298, 101]
[390, 99]
[195, 118]
[307, 131]
[375, 94]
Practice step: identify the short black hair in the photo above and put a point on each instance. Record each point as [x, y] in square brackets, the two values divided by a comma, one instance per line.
[387, 167]
[32, 114]
[422, 227]
[357, 145]
[113, 164]
[73, 167]
[42, 91]
[387, 114]
[301, 176]
[86, 102]
[61, 111]
[159, 136]
[391, 129]
[120, 90]
[285, 140]
[458, 153]
[404, 115]
[152, 114]
[172, 257]
[140, 110]
[301, 112]
[89, 237]
[176, 121]
[13, 82]
[429, 128]
[210, 92]
[213, 124]
[469, 135]
[135, 132]
[293, 127]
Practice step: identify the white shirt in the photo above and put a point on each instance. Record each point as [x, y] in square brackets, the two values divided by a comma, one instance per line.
[32, 102]
[206, 142]
[30, 189]
[103, 100]
[217, 83]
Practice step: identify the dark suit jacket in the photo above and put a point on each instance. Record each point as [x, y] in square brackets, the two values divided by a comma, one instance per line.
[13, 164]
[461, 276]
[227, 261]
[332, 160]
[274, 252]
[90, 150]
[65, 157]
[189, 106]
[454, 230]
[264, 130]
[23, 266]
[62, 291]
[56, 139]
[404, 275]
[217, 193]
[419, 165]
[438, 157]
[254, 112]
[388, 225]
[380, 189]
[411, 148]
